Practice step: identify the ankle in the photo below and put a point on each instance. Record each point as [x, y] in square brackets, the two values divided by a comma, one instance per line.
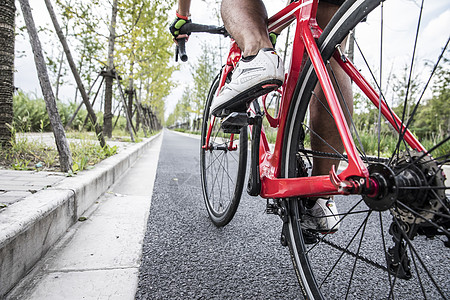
[253, 49]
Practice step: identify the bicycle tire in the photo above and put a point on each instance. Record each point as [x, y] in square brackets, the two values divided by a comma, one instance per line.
[335, 266]
[222, 171]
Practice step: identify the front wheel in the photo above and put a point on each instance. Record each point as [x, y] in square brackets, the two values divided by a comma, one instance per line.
[222, 165]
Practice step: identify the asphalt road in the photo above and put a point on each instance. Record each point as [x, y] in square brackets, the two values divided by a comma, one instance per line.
[186, 257]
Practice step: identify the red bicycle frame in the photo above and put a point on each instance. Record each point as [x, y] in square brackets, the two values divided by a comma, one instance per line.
[356, 174]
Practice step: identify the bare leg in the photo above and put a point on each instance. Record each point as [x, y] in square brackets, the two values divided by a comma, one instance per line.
[321, 122]
[246, 21]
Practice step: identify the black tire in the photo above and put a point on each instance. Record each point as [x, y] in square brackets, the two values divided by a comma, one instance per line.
[222, 171]
[352, 263]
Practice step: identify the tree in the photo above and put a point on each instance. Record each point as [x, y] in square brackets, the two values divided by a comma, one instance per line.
[433, 117]
[107, 116]
[65, 157]
[407, 89]
[181, 113]
[76, 75]
[203, 72]
[143, 45]
[7, 14]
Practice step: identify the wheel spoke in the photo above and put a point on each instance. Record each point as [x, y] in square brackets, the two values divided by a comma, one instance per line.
[325, 142]
[402, 133]
[341, 219]
[414, 252]
[349, 115]
[414, 161]
[381, 78]
[357, 254]
[383, 239]
[345, 251]
[418, 275]
[413, 56]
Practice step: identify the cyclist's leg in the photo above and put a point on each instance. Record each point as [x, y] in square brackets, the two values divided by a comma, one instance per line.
[260, 70]
[253, 36]
[322, 123]
[325, 135]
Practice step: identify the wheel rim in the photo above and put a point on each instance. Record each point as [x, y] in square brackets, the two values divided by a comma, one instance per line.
[383, 251]
[220, 171]
[222, 166]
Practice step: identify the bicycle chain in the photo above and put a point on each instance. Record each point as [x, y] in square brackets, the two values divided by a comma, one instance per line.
[341, 156]
[330, 243]
[358, 256]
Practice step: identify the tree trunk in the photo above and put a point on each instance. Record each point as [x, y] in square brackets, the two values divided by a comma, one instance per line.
[129, 92]
[107, 116]
[124, 102]
[75, 73]
[65, 158]
[7, 14]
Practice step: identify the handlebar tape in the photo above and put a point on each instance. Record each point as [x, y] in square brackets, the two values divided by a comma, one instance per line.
[192, 27]
[182, 49]
[188, 28]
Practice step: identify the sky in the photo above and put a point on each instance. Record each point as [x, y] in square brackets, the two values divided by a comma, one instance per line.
[26, 77]
[436, 30]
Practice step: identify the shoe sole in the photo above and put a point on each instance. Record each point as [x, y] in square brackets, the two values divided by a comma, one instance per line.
[239, 102]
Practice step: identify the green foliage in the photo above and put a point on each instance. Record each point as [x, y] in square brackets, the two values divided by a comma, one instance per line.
[87, 153]
[27, 154]
[144, 50]
[30, 115]
[203, 73]
[142, 58]
[34, 154]
[182, 111]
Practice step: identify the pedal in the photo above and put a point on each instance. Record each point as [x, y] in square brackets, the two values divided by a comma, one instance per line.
[234, 122]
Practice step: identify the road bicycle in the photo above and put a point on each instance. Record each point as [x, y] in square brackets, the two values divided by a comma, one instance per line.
[394, 211]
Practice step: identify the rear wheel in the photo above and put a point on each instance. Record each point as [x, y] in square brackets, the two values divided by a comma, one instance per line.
[223, 165]
[397, 250]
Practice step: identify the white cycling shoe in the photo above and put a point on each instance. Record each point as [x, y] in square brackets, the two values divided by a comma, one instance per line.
[252, 78]
[322, 217]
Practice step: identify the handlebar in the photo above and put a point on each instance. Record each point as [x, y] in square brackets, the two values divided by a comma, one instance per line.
[189, 28]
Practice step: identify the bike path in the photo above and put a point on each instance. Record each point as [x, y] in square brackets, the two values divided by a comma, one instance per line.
[186, 257]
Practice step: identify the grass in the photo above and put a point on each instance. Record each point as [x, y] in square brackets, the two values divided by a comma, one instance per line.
[33, 154]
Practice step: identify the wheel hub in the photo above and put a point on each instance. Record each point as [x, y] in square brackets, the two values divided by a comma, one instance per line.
[409, 182]
[384, 189]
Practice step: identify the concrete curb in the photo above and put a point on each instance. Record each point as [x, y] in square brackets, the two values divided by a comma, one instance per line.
[29, 228]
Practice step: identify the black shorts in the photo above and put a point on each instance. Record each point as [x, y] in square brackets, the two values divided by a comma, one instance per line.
[335, 2]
